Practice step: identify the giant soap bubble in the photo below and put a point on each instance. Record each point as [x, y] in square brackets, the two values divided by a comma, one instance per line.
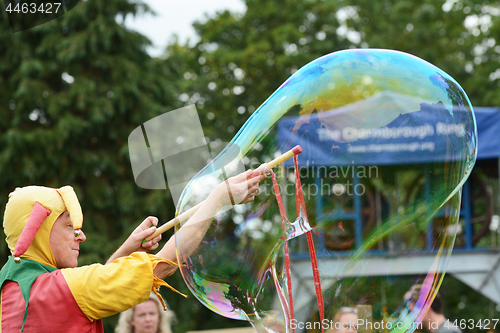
[388, 141]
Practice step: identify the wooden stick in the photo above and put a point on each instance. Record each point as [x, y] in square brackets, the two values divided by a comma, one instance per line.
[187, 214]
[282, 158]
[170, 224]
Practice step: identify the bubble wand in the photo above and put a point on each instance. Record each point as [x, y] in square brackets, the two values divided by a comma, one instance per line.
[187, 214]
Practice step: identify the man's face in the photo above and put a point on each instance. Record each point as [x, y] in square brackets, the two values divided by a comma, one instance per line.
[63, 243]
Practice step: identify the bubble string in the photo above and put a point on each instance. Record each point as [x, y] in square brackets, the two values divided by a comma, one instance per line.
[301, 211]
[288, 272]
[280, 203]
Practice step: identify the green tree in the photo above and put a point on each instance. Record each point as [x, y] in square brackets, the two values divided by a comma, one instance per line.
[241, 60]
[458, 36]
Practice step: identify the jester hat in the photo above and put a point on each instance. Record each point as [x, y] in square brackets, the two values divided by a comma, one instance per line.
[29, 216]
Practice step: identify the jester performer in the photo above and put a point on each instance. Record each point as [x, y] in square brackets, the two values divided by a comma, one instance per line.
[43, 290]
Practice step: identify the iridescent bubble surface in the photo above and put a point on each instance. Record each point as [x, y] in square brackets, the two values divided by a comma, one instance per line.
[388, 140]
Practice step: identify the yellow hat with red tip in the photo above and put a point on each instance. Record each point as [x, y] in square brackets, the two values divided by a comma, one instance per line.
[29, 216]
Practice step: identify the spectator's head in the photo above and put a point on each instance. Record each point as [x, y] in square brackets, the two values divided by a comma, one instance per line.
[345, 321]
[273, 322]
[414, 293]
[146, 317]
[434, 315]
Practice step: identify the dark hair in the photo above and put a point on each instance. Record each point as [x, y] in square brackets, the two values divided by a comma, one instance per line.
[437, 304]
[414, 293]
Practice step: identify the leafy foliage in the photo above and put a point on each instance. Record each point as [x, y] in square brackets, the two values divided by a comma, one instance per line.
[457, 36]
[240, 61]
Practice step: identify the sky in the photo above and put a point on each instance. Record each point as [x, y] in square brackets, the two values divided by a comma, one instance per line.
[176, 17]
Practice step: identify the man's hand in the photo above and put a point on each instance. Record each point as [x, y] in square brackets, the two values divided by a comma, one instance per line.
[144, 230]
[239, 189]
[134, 241]
[261, 170]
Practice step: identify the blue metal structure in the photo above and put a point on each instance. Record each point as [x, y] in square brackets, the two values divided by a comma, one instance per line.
[488, 125]
[340, 214]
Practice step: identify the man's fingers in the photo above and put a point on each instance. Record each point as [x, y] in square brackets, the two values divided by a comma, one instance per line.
[152, 244]
[254, 189]
[150, 220]
[248, 199]
[155, 240]
[249, 176]
[255, 180]
[146, 233]
[242, 176]
[148, 248]
[262, 169]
